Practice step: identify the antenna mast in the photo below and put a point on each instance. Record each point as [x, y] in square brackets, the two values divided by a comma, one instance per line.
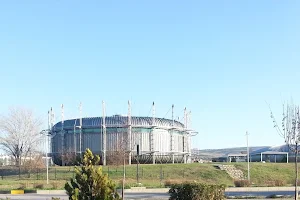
[184, 118]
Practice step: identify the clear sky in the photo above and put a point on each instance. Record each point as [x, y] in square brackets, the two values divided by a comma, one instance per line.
[221, 59]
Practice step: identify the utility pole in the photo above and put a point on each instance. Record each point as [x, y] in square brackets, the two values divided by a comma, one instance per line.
[172, 135]
[129, 134]
[47, 133]
[80, 126]
[103, 134]
[123, 182]
[137, 162]
[62, 135]
[248, 156]
[296, 169]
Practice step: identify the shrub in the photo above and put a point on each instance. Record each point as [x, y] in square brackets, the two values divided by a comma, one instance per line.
[38, 185]
[169, 182]
[279, 182]
[273, 183]
[22, 186]
[197, 191]
[241, 183]
[55, 185]
[89, 182]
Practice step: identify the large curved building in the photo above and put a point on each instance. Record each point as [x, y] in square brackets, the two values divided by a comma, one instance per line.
[159, 140]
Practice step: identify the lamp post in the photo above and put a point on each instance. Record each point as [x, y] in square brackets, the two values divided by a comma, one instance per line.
[137, 162]
[80, 143]
[75, 138]
[248, 156]
[124, 173]
[46, 133]
[75, 149]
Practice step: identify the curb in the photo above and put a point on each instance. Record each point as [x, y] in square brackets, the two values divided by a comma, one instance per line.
[17, 192]
[59, 192]
[259, 189]
[13, 191]
[154, 190]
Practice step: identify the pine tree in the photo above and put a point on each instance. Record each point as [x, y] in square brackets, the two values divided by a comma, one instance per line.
[89, 182]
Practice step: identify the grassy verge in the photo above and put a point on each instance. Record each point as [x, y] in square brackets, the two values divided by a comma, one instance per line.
[270, 174]
[154, 176]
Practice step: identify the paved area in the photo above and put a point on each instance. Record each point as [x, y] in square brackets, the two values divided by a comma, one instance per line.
[64, 197]
[158, 194]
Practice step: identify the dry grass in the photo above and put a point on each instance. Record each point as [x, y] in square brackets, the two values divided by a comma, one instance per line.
[262, 174]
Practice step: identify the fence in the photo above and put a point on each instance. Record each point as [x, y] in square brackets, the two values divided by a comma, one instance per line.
[147, 174]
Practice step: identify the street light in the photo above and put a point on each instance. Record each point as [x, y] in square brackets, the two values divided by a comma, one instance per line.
[137, 162]
[75, 138]
[248, 156]
[124, 173]
[47, 133]
[75, 149]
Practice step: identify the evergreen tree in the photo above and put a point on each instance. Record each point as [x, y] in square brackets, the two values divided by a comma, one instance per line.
[89, 182]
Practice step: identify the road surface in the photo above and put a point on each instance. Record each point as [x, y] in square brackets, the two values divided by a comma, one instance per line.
[131, 195]
[141, 195]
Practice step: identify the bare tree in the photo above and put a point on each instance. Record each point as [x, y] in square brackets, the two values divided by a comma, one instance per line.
[34, 162]
[290, 131]
[19, 133]
[68, 157]
[116, 156]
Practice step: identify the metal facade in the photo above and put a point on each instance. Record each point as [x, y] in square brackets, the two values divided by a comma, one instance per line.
[160, 140]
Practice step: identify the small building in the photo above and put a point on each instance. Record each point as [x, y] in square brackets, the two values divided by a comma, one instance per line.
[239, 157]
[270, 156]
[6, 160]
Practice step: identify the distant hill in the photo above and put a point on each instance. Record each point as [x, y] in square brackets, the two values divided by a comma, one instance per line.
[213, 153]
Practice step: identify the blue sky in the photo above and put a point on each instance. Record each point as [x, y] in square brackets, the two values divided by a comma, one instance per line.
[221, 59]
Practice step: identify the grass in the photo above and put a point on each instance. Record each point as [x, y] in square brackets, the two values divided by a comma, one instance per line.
[266, 174]
[154, 176]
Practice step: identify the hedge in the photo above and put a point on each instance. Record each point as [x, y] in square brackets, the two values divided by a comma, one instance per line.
[197, 191]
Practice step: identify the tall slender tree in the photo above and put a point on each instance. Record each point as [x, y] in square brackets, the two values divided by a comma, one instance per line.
[289, 129]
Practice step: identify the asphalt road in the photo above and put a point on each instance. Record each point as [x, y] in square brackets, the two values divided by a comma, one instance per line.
[139, 195]
[32, 196]
[261, 193]
[156, 196]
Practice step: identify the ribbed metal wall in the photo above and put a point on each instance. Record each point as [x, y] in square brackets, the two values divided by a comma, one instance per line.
[117, 130]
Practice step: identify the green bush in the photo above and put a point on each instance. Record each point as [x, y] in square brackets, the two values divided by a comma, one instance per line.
[241, 183]
[89, 182]
[275, 183]
[38, 186]
[55, 185]
[168, 182]
[197, 191]
[22, 186]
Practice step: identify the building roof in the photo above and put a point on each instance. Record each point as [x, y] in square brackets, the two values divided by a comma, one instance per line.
[271, 153]
[237, 155]
[118, 121]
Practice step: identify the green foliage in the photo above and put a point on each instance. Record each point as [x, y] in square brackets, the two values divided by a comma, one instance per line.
[197, 191]
[242, 183]
[89, 182]
[38, 185]
[262, 173]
